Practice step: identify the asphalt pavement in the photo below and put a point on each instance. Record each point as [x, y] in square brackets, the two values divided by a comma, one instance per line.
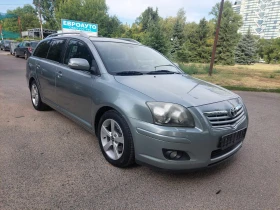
[49, 162]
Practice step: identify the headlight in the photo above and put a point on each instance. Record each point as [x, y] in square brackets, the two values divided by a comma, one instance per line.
[171, 114]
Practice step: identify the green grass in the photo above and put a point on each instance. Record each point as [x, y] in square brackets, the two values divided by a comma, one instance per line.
[252, 89]
[193, 69]
[257, 77]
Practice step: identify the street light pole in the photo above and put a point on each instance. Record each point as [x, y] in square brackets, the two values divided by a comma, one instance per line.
[216, 38]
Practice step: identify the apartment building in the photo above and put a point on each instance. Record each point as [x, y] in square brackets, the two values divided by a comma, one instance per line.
[262, 17]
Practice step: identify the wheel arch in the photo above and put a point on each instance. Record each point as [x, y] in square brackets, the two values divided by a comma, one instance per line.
[99, 114]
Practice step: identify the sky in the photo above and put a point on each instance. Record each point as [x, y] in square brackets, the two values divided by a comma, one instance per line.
[128, 10]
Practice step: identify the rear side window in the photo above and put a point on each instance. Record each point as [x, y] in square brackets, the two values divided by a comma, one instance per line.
[42, 50]
[56, 49]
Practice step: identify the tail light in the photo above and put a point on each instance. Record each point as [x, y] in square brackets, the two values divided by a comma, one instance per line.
[30, 49]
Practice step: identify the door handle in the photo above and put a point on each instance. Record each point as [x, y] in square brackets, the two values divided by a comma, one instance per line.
[38, 66]
[59, 74]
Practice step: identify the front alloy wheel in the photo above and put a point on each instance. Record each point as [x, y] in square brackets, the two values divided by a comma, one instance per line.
[112, 139]
[115, 139]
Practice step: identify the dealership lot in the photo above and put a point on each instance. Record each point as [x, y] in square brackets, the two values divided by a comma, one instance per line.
[49, 162]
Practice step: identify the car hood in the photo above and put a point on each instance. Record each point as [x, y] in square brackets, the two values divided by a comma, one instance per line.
[176, 88]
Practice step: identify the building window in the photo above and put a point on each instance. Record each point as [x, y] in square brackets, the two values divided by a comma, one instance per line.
[275, 21]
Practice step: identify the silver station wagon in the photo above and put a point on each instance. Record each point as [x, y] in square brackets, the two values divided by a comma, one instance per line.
[140, 105]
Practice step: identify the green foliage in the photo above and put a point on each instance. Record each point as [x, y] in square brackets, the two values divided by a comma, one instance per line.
[28, 19]
[196, 68]
[155, 38]
[178, 38]
[93, 11]
[272, 76]
[47, 8]
[228, 36]
[245, 52]
[269, 50]
[199, 42]
[148, 18]
[189, 69]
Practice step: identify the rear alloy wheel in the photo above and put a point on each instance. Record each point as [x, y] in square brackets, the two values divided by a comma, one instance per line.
[115, 139]
[36, 98]
[25, 56]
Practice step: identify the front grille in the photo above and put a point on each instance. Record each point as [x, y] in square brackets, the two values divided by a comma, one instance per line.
[222, 118]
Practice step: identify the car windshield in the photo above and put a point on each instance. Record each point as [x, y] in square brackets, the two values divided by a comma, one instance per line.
[7, 41]
[135, 59]
[34, 44]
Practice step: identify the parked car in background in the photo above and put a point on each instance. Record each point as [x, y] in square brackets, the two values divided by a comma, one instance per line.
[140, 105]
[5, 45]
[25, 49]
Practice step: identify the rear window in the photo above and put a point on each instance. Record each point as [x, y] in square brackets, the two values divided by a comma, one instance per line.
[55, 52]
[34, 44]
[42, 50]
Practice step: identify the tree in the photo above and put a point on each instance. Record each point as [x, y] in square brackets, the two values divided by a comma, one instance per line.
[148, 18]
[155, 38]
[228, 37]
[27, 16]
[245, 52]
[47, 8]
[178, 36]
[198, 42]
[269, 50]
[93, 11]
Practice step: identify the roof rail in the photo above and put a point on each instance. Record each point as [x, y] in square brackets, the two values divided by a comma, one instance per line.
[68, 33]
[129, 40]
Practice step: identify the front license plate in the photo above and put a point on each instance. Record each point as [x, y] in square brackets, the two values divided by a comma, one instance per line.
[232, 139]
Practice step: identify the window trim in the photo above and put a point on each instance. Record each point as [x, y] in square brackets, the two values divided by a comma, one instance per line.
[62, 52]
[79, 40]
[33, 54]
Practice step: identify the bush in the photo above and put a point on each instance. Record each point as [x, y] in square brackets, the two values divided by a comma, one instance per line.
[196, 69]
[189, 69]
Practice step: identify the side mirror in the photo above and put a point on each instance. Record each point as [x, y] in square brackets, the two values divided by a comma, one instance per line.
[78, 64]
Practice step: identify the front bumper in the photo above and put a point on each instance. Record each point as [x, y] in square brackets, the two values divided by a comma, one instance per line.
[198, 143]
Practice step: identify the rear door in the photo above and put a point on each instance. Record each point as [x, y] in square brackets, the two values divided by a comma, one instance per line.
[74, 87]
[45, 72]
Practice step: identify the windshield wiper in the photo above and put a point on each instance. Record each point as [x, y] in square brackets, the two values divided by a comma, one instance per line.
[163, 72]
[127, 73]
[164, 65]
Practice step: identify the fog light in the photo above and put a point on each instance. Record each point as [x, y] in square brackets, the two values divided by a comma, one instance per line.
[175, 154]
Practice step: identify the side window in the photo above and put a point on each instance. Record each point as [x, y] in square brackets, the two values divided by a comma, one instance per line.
[27, 44]
[78, 49]
[56, 49]
[42, 50]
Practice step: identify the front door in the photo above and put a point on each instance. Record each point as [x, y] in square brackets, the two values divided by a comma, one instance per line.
[73, 87]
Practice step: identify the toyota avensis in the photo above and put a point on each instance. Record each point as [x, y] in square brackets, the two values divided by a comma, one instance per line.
[141, 106]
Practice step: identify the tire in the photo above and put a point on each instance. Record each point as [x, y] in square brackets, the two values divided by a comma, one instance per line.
[36, 98]
[118, 154]
[25, 56]
[16, 55]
